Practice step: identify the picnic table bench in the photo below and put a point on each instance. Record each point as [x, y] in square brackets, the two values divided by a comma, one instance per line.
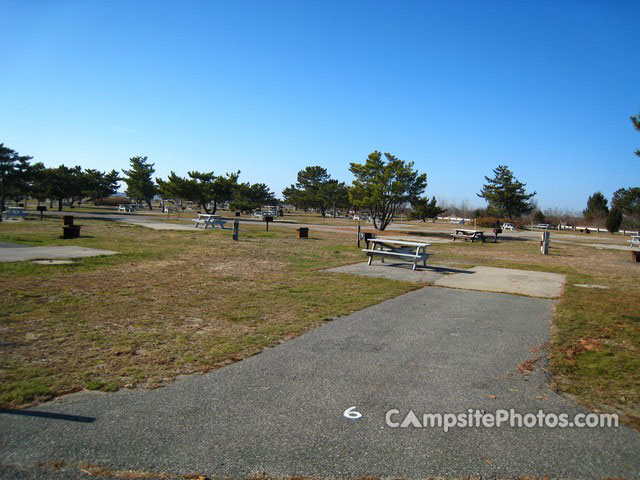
[12, 212]
[414, 251]
[126, 207]
[468, 235]
[208, 221]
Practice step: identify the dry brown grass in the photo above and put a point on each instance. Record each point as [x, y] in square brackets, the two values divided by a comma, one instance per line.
[174, 303]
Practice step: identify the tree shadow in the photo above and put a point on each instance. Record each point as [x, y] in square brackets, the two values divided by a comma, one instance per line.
[55, 416]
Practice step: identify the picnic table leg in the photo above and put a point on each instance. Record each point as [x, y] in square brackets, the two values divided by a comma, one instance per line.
[370, 258]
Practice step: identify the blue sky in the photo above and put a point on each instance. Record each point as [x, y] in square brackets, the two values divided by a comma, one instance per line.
[269, 87]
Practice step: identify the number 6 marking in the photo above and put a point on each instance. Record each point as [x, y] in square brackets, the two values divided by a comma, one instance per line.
[351, 413]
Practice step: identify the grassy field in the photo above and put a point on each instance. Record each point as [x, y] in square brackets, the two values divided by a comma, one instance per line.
[182, 302]
[172, 303]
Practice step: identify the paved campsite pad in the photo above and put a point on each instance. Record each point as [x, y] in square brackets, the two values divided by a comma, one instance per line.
[53, 262]
[398, 271]
[489, 279]
[281, 412]
[624, 248]
[506, 280]
[143, 222]
[19, 253]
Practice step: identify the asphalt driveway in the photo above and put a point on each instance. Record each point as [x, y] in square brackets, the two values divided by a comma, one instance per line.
[435, 350]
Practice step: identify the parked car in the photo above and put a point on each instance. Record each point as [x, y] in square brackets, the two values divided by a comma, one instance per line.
[508, 226]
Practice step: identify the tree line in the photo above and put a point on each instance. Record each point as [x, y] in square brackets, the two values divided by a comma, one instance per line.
[624, 209]
[205, 189]
[383, 185]
[20, 179]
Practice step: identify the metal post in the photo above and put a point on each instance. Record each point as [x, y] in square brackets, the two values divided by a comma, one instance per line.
[358, 235]
[236, 226]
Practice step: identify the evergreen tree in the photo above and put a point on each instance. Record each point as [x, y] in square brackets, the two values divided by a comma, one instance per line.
[424, 209]
[597, 208]
[14, 175]
[614, 220]
[311, 190]
[99, 185]
[506, 195]
[247, 197]
[335, 195]
[636, 123]
[382, 186]
[539, 217]
[139, 181]
[61, 184]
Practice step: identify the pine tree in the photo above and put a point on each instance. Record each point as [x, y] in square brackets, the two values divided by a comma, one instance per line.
[614, 220]
[382, 187]
[14, 171]
[139, 181]
[424, 209]
[597, 207]
[636, 123]
[506, 195]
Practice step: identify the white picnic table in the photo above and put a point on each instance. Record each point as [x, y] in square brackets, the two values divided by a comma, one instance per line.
[471, 235]
[414, 251]
[126, 207]
[635, 241]
[208, 220]
[12, 212]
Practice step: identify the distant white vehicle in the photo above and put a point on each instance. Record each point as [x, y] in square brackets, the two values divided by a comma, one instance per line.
[459, 221]
[508, 226]
[544, 226]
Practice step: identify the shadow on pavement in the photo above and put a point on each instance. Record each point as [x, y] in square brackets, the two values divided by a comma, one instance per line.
[55, 416]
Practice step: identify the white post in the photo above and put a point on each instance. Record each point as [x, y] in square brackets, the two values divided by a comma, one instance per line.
[544, 244]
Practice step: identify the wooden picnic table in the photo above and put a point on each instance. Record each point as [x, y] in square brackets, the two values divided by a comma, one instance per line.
[414, 251]
[208, 220]
[468, 235]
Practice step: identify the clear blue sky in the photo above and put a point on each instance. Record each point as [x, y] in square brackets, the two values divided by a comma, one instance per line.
[269, 87]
